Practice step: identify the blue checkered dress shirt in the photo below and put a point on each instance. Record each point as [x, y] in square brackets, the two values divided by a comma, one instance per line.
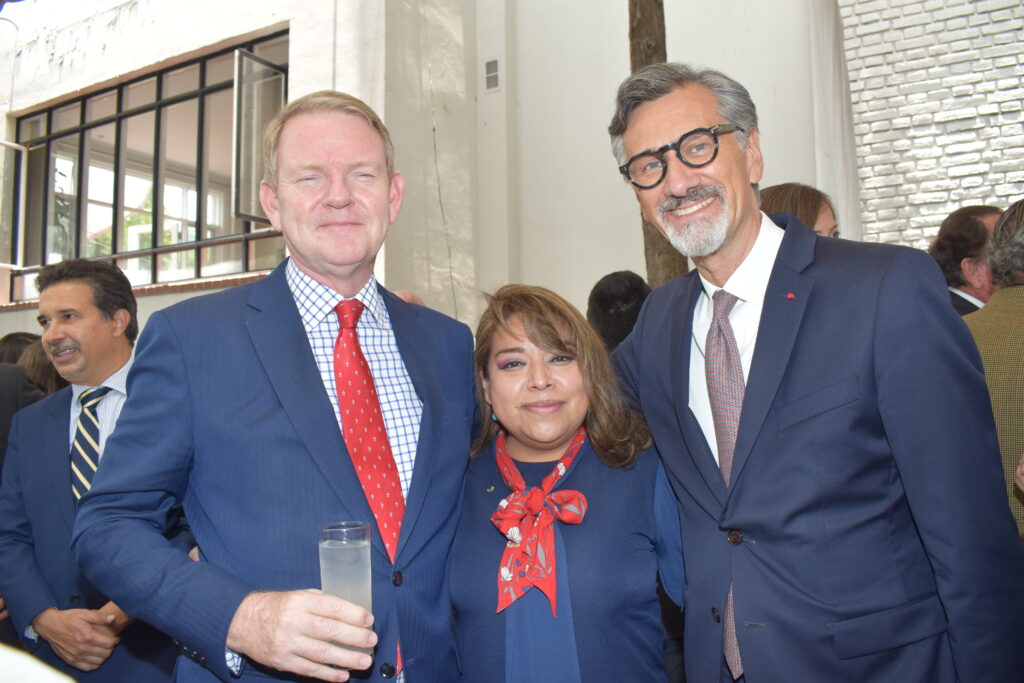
[399, 404]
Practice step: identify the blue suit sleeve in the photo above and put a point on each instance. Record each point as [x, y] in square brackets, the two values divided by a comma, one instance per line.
[938, 420]
[669, 547]
[146, 466]
[22, 584]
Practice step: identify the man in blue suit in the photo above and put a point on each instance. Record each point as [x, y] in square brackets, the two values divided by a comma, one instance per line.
[234, 413]
[87, 312]
[822, 415]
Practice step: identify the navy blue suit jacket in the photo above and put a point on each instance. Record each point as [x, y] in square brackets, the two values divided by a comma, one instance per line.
[227, 414]
[876, 541]
[37, 510]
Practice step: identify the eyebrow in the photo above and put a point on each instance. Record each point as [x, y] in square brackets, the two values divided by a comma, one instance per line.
[41, 317]
[514, 349]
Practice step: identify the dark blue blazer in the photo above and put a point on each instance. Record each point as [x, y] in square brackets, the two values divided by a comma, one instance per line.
[612, 561]
[876, 541]
[228, 415]
[37, 510]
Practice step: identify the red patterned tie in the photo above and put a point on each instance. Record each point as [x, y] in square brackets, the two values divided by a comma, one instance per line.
[724, 372]
[363, 428]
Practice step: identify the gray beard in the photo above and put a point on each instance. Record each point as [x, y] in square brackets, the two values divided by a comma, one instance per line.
[700, 237]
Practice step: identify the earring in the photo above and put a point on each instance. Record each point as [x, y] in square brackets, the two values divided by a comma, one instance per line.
[494, 418]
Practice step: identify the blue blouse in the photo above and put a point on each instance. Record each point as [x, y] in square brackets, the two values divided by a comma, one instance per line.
[608, 563]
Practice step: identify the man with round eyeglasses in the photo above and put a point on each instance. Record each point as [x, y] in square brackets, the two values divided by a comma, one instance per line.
[823, 418]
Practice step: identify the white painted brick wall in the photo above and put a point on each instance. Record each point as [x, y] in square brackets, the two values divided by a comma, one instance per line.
[936, 89]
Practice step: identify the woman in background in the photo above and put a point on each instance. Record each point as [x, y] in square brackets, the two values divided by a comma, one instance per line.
[40, 369]
[566, 520]
[813, 207]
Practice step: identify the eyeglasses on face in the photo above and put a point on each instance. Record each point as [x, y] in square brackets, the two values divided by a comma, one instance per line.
[695, 148]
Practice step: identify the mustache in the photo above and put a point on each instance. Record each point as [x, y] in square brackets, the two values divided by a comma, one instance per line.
[694, 194]
[54, 349]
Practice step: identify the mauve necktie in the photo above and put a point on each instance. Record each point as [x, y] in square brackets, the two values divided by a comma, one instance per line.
[85, 448]
[724, 372]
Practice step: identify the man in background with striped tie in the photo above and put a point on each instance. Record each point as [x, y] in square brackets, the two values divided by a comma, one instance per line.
[87, 315]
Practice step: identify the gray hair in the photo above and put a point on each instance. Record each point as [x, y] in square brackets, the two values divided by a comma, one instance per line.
[1006, 255]
[654, 81]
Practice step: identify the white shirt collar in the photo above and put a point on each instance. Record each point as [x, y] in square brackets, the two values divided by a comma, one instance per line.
[749, 281]
[973, 299]
[117, 381]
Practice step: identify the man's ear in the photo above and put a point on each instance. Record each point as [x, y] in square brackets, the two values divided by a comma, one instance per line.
[268, 200]
[975, 271]
[121, 319]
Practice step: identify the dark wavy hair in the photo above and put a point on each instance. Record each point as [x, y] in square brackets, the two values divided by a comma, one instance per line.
[961, 235]
[111, 290]
[549, 321]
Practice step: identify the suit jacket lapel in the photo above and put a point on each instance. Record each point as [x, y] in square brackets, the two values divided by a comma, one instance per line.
[282, 346]
[55, 455]
[681, 329]
[784, 303]
[416, 343]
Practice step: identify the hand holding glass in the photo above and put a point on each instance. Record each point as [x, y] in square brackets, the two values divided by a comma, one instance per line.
[345, 565]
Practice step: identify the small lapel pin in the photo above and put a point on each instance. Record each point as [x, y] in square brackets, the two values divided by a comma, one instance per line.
[489, 489]
[790, 295]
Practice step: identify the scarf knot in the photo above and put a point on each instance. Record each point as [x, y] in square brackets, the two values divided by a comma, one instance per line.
[526, 519]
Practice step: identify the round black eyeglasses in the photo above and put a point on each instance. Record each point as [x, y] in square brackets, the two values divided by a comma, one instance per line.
[695, 148]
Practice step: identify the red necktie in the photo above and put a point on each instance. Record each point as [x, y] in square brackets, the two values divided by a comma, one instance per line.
[363, 428]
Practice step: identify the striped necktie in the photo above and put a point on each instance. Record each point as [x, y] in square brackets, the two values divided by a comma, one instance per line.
[85, 447]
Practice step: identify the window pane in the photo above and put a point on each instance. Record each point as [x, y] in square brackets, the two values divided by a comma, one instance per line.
[220, 69]
[35, 205]
[10, 181]
[261, 98]
[219, 218]
[137, 183]
[139, 270]
[138, 94]
[274, 51]
[223, 259]
[31, 128]
[98, 155]
[181, 81]
[67, 116]
[101, 106]
[179, 133]
[62, 214]
[177, 265]
[265, 253]
[23, 287]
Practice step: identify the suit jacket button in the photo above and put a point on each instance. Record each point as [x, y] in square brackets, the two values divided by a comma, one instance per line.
[396, 578]
[734, 537]
[75, 600]
[715, 615]
[387, 669]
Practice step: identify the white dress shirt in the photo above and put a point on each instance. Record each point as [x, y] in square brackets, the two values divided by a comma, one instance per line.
[748, 284]
[964, 295]
[108, 410]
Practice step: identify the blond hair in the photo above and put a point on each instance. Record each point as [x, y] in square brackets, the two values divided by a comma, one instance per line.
[321, 101]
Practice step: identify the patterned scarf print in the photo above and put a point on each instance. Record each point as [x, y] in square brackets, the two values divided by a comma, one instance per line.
[526, 518]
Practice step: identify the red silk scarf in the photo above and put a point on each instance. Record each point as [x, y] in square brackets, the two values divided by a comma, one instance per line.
[526, 518]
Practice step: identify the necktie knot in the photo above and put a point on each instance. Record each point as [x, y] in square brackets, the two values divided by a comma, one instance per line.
[723, 302]
[92, 396]
[348, 313]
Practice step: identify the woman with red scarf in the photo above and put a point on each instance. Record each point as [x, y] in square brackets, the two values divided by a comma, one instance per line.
[566, 520]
